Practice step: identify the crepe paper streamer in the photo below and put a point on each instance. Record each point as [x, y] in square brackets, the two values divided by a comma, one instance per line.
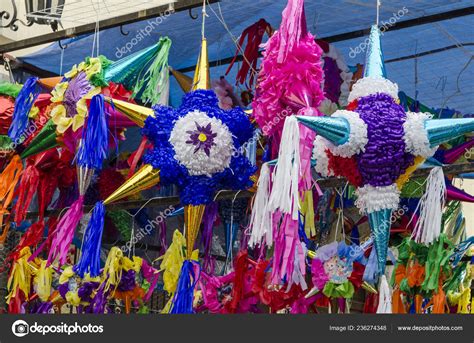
[460, 250]
[284, 196]
[20, 277]
[42, 281]
[437, 261]
[10, 89]
[289, 253]
[94, 144]
[428, 225]
[385, 296]
[26, 189]
[8, 181]
[261, 217]
[113, 269]
[208, 220]
[254, 34]
[188, 278]
[65, 232]
[89, 261]
[153, 85]
[291, 74]
[23, 104]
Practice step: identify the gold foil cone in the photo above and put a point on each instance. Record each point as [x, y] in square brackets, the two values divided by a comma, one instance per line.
[202, 75]
[192, 221]
[144, 178]
[50, 82]
[185, 82]
[135, 113]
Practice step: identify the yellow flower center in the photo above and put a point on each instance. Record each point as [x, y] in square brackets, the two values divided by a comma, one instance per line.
[202, 137]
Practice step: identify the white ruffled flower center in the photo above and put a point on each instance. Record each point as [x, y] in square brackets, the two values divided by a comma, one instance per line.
[373, 85]
[416, 136]
[371, 199]
[202, 144]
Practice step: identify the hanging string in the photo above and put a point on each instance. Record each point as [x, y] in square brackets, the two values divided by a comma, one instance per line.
[61, 61]
[340, 215]
[229, 256]
[204, 15]
[234, 39]
[379, 3]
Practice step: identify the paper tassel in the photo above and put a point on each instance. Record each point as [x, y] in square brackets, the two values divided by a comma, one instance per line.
[26, 189]
[8, 181]
[113, 268]
[46, 139]
[188, 278]
[154, 83]
[385, 296]
[144, 178]
[192, 221]
[43, 280]
[65, 232]
[428, 225]
[261, 217]
[20, 277]
[145, 72]
[23, 103]
[94, 144]
[284, 195]
[380, 223]
[10, 89]
[89, 262]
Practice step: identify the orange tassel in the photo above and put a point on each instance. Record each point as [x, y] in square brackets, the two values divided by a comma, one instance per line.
[8, 180]
[397, 303]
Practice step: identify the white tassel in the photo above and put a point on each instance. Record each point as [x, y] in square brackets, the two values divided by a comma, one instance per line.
[385, 296]
[284, 196]
[261, 218]
[428, 226]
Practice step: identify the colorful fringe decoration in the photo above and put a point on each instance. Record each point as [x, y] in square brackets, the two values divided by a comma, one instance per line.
[23, 104]
[89, 262]
[94, 145]
[184, 296]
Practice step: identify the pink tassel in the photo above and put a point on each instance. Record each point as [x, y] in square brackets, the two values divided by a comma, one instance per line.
[291, 74]
[65, 232]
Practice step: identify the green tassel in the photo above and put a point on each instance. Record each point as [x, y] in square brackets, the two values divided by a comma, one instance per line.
[153, 84]
[10, 89]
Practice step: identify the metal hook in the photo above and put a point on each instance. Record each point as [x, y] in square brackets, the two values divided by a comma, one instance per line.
[123, 32]
[62, 46]
[191, 14]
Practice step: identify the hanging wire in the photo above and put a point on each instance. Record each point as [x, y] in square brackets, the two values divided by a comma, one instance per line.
[234, 39]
